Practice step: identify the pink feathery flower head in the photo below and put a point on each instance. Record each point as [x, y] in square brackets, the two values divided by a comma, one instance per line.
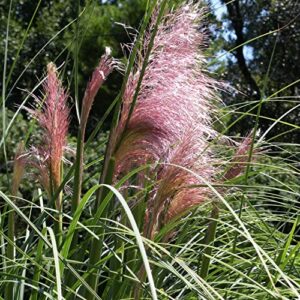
[19, 167]
[53, 118]
[170, 125]
[104, 68]
[240, 158]
[174, 94]
[189, 165]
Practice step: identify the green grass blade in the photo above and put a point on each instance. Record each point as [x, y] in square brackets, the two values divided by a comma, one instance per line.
[56, 263]
[139, 239]
[72, 227]
[37, 271]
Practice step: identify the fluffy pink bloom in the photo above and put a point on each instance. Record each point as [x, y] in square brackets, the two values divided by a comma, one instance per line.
[240, 159]
[177, 191]
[170, 125]
[171, 121]
[99, 75]
[53, 119]
[173, 97]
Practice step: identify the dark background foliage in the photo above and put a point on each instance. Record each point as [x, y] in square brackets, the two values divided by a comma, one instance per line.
[254, 46]
[266, 63]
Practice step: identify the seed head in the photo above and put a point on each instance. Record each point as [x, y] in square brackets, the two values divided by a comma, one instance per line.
[240, 159]
[174, 95]
[104, 68]
[19, 167]
[53, 119]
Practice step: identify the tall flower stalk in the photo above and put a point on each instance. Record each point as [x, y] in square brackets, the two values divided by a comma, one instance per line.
[53, 119]
[18, 171]
[100, 74]
[104, 68]
[170, 123]
[109, 161]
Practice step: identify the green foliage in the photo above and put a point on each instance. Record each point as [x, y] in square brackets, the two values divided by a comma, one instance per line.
[259, 41]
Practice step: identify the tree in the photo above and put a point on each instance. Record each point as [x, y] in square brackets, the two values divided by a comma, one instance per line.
[263, 38]
[45, 31]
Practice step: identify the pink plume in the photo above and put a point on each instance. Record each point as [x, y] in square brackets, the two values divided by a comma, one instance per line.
[53, 119]
[174, 95]
[240, 159]
[178, 189]
[170, 125]
[100, 74]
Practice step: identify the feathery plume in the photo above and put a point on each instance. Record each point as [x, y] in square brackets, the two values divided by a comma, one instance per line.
[99, 75]
[174, 93]
[170, 125]
[240, 158]
[176, 192]
[104, 68]
[53, 119]
[19, 167]
[171, 121]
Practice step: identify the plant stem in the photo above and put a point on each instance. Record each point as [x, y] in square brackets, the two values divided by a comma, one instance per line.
[81, 129]
[17, 176]
[37, 271]
[78, 171]
[58, 222]
[77, 186]
[9, 291]
[209, 238]
[97, 245]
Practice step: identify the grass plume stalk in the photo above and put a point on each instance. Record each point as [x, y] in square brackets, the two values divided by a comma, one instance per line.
[53, 119]
[170, 122]
[104, 68]
[19, 166]
[100, 74]
[209, 238]
[109, 161]
[240, 160]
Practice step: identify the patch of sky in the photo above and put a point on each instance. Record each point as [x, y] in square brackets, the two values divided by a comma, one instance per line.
[218, 8]
[221, 58]
[264, 13]
[248, 53]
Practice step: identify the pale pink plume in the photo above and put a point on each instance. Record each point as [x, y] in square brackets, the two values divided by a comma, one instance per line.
[188, 166]
[104, 68]
[53, 119]
[170, 126]
[240, 159]
[171, 121]
[174, 94]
